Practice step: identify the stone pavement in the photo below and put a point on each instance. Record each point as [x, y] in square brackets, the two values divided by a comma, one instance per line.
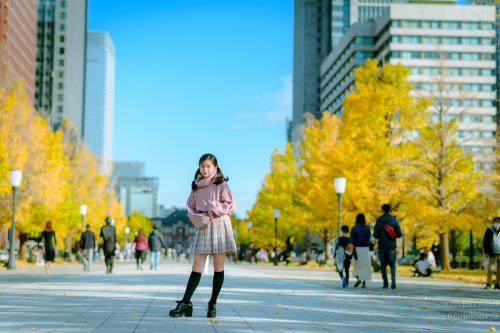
[253, 299]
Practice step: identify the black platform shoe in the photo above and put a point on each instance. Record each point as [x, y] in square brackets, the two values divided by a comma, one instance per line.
[212, 311]
[182, 309]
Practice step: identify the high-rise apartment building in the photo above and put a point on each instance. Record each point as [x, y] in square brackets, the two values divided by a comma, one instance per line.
[454, 44]
[60, 61]
[18, 42]
[99, 96]
[136, 192]
[319, 25]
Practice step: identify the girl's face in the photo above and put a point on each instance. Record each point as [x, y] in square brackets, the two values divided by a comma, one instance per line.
[207, 168]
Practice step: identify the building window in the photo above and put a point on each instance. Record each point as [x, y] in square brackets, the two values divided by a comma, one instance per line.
[396, 24]
[396, 39]
[411, 39]
[432, 24]
[62, 27]
[63, 15]
[61, 39]
[59, 109]
[431, 55]
[488, 56]
[487, 72]
[60, 86]
[472, 25]
[412, 24]
[471, 56]
[451, 25]
[60, 97]
[451, 40]
[452, 55]
[452, 71]
[61, 62]
[487, 41]
[471, 41]
[61, 74]
[63, 4]
[61, 50]
[488, 26]
[431, 40]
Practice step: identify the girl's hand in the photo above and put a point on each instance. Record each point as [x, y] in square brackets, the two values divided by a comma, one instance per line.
[211, 216]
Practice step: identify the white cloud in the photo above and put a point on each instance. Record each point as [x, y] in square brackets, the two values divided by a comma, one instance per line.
[270, 108]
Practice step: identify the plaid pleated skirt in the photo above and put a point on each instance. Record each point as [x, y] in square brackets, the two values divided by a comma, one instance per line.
[216, 237]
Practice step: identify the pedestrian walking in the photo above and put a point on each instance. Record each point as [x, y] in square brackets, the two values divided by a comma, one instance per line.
[209, 207]
[344, 250]
[87, 246]
[360, 237]
[491, 247]
[156, 242]
[386, 230]
[108, 234]
[50, 245]
[141, 246]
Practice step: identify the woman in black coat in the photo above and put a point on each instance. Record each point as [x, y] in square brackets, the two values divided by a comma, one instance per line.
[50, 253]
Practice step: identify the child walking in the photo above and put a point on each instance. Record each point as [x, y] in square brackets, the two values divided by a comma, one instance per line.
[209, 207]
[343, 255]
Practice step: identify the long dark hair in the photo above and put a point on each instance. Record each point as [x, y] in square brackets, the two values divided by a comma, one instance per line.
[219, 176]
[360, 219]
[48, 226]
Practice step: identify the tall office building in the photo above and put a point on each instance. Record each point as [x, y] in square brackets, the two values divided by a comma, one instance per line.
[99, 96]
[60, 61]
[136, 192]
[319, 25]
[18, 42]
[438, 42]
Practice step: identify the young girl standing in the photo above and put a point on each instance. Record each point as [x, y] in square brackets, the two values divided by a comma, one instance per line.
[209, 207]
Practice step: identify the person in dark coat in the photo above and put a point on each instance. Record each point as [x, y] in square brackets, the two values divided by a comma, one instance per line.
[491, 247]
[87, 246]
[156, 242]
[361, 237]
[436, 250]
[108, 234]
[386, 244]
[49, 235]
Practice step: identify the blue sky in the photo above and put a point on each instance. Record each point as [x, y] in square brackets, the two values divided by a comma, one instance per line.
[194, 77]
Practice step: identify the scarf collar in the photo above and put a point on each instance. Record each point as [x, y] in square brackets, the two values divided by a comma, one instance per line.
[204, 182]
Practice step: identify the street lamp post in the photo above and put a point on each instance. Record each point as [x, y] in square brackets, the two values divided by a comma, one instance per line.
[249, 226]
[276, 214]
[83, 212]
[127, 250]
[15, 177]
[340, 183]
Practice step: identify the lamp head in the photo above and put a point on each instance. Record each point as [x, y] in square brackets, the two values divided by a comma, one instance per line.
[15, 177]
[340, 183]
[249, 224]
[83, 209]
[276, 213]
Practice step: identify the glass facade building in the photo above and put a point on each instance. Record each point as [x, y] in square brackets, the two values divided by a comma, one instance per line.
[99, 96]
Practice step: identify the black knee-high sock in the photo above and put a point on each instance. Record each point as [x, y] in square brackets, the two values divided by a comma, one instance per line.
[193, 282]
[217, 286]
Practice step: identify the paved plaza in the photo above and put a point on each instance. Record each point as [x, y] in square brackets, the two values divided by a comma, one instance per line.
[253, 299]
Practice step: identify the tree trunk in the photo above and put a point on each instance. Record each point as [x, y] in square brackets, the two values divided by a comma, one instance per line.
[325, 242]
[23, 238]
[445, 251]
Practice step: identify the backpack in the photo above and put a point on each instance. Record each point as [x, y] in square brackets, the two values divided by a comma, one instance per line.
[349, 249]
[340, 257]
[390, 231]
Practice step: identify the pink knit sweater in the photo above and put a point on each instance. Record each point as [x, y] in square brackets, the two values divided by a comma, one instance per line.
[209, 197]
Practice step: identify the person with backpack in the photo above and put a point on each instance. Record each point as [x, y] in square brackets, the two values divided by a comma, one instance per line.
[87, 246]
[386, 230]
[343, 255]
